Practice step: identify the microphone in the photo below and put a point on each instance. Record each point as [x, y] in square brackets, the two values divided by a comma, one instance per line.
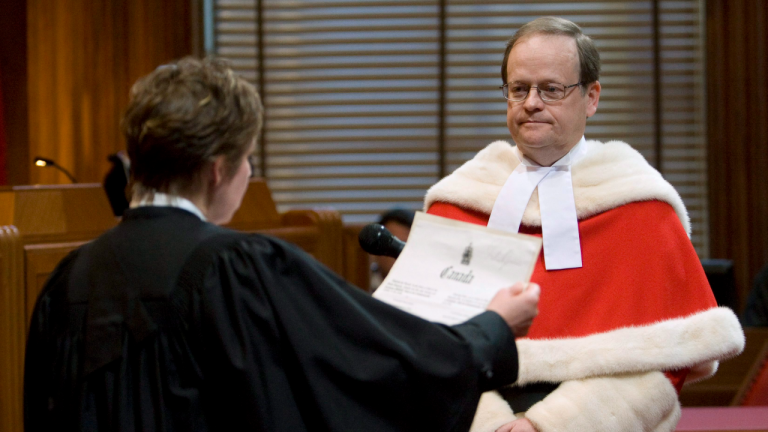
[377, 240]
[43, 162]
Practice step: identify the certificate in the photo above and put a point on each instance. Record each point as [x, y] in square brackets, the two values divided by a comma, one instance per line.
[449, 270]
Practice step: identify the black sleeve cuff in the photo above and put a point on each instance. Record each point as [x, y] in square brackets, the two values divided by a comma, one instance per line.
[493, 347]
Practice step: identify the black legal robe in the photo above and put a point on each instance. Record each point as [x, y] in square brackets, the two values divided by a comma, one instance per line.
[168, 323]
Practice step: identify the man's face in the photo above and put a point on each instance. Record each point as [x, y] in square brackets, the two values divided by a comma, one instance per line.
[545, 132]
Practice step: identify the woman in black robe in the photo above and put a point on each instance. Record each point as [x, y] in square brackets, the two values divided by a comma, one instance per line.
[169, 322]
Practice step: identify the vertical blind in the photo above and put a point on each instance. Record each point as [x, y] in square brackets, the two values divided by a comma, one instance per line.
[368, 103]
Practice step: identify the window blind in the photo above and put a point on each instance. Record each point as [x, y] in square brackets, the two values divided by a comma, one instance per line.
[369, 102]
[350, 90]
[682, 111]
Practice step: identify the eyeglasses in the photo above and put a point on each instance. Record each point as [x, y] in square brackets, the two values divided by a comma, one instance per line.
[548, 92]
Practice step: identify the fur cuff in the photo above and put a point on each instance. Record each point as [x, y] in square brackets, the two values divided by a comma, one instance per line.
[642, 402]
[696, 342]
[492, 412]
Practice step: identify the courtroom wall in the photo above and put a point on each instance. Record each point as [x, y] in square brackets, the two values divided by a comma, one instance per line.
[13, 79]
[737, 133]
[81, 58]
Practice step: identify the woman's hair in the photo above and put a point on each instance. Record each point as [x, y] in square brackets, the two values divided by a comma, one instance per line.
[184, 115]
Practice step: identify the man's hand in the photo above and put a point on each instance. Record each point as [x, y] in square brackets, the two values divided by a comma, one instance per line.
[519, 425]
[518, 306]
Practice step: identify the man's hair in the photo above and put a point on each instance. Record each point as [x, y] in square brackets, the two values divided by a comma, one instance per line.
[181, 117]
[398, 215]
[589, 58]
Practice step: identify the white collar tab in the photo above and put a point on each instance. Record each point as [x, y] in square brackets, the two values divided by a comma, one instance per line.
[559, 223]
[160, 199]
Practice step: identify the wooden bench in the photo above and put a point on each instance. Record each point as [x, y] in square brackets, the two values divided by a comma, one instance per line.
[357, 264]
[12, 329]
[317, 231]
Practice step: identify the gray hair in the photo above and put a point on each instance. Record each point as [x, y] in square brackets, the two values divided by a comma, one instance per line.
[589, 58]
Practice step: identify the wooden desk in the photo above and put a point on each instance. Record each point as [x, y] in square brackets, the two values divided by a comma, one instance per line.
[61, 213]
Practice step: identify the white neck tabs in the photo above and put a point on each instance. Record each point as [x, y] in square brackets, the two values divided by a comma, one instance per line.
[160, 199]
[559, 223]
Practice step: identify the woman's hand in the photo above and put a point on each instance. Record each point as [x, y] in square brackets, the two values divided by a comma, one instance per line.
[519, 425]
[518, 306]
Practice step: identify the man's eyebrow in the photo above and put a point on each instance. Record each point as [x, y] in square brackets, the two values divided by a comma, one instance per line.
[531, 82]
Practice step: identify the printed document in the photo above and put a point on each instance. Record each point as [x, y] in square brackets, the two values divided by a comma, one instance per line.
[449, 270]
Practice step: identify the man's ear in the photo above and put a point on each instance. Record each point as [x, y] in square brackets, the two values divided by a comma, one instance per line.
[593, 97]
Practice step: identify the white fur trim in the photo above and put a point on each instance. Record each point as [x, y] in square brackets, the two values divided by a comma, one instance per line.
[637, 402]
[627, 403]
[492, 412]
[611, 381]
[476, 184]
[695, 341]
[701, 372]
[610, 175]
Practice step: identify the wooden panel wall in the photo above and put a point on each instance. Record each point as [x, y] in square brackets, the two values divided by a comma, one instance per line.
[83, 56]
[737, 112]
[13, 78]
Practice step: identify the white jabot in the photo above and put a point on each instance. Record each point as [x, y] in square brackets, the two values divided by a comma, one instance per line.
[559, 223]
[165, 200]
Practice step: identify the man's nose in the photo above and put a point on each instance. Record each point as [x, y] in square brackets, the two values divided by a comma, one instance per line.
[533, 99]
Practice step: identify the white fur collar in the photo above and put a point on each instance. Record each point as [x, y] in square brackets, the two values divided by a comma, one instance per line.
[609, 176]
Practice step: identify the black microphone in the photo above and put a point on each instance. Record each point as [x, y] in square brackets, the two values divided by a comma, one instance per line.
[377, 240]
[43, 162]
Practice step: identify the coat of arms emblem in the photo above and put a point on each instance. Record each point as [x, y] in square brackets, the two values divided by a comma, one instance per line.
[467, 255]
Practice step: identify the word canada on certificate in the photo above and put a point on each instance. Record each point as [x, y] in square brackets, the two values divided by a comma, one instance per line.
[449, 270]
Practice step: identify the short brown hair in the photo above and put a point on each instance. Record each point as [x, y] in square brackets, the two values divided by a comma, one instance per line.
[181, 117]
[589, 58]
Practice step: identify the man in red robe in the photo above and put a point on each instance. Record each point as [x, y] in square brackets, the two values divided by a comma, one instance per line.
[626, 313]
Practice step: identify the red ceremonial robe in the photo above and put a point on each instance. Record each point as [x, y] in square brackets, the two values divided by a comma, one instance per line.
[639, 305]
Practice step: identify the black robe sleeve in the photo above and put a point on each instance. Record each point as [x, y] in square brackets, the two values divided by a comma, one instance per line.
[173, 325]
[41, 386]
[285, 344]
